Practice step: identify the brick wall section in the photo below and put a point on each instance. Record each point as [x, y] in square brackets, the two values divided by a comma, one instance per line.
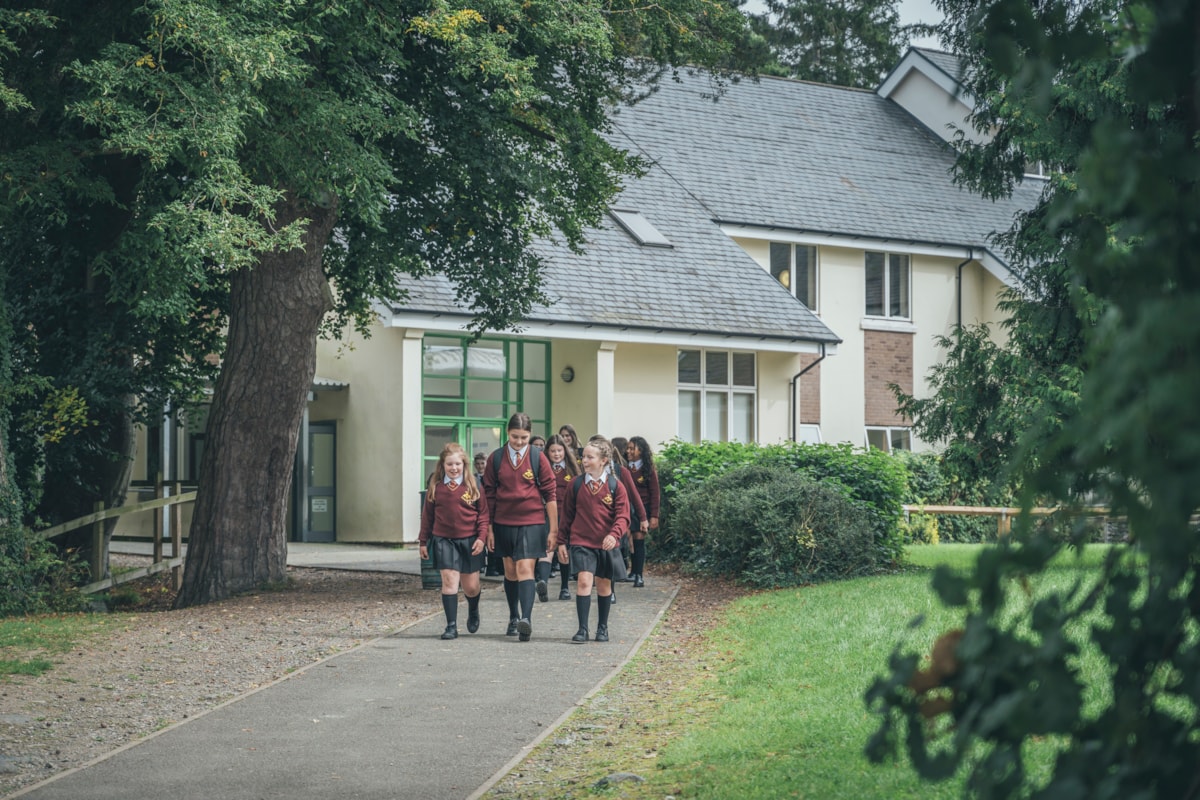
[810, 391]
[889, 359]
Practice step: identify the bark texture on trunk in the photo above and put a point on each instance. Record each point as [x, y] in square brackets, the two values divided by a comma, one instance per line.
[238, 537]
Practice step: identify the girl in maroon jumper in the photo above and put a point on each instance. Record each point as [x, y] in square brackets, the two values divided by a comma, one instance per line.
[595, 517]
[523, 505]
[645, 478]
[566, 469]
[571, 439]
[455, 519]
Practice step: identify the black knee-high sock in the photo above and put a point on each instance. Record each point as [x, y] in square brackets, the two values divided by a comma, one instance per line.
[603, 604]
[639, 556]
[473, 603]
[526, 591]
[565, 571]
[450, 606]
[583, 608]
[542, 571]
[510, 594]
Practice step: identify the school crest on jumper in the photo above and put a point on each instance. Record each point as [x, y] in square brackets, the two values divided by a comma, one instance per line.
[527, 474]
[641, 479]
[607, 500]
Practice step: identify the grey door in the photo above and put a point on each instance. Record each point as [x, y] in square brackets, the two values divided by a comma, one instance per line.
[320, 518]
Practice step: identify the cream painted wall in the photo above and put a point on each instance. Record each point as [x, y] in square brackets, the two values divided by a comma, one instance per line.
[646, 378]
[573, 402]
[775, 371]
[372, 492]
[929, 103]
[841, 288]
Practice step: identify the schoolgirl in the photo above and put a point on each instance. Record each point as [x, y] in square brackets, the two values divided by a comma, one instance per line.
[566, 469]
[519, 484]
[645, 478]
[595, 517]
[637, 512]
[571, 439]
[454, 525]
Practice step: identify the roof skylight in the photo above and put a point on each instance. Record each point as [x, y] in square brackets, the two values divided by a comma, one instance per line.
[639, 227]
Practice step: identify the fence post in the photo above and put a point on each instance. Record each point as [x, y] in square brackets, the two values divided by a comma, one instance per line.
[160, 491]
[177, 538]
[1004, 524]
[98, 564]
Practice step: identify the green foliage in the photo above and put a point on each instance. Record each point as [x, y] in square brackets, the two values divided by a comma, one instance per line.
[932, 482]
[848, 43]
[1110, 88]
[34, 667]
[871, 479]
[770, 528]
[34, 578]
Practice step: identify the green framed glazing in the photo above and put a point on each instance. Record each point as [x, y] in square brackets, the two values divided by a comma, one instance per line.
[470, 387]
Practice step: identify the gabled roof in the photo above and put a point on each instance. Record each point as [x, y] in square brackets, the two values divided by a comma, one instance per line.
[703, 283]
[809, 157]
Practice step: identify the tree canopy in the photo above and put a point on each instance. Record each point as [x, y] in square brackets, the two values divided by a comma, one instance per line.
[267, 168]
[843, 42]
[1106, 91]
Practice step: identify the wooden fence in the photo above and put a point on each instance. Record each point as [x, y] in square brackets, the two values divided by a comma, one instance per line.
[159, 563]
[1004, 516]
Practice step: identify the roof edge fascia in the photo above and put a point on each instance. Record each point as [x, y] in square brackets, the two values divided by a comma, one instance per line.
[434, 322]
[980, 253]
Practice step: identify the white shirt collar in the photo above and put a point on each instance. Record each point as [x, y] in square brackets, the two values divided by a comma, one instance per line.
[516, 453]
[448, 480]
[635, 464]
[587, 477]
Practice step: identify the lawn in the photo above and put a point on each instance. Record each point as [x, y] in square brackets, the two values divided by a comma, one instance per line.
[28, 645]
[789, 718]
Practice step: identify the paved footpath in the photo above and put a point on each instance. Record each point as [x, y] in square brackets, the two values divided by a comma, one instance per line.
[403, 716]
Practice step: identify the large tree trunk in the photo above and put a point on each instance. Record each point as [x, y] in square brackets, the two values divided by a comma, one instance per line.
[238, 538]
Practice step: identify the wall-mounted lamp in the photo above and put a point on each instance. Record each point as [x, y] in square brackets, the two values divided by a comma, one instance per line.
[568, 374]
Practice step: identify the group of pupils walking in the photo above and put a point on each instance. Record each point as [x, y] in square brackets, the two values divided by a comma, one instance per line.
[530, 506]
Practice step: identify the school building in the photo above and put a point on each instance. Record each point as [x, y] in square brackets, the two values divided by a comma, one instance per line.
[792, 251]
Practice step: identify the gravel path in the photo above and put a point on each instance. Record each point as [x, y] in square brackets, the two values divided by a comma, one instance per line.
[164, 666]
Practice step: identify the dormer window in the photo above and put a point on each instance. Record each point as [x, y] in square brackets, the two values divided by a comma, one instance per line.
[795, 266]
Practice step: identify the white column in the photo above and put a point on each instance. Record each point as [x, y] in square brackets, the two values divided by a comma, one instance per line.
[605, 392]
[411, 434]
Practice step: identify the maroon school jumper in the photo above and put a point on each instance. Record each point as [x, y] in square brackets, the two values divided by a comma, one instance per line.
[562, 482]
[590, 516]
[448, 515]
[647, 488]
[635, 498]
[522, 502]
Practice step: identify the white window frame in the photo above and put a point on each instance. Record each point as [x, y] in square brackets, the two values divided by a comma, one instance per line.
[889, 433]
[791, 282]
[705, 389]
[887, 284]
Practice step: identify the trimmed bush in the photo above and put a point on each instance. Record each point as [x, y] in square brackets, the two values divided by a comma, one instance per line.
[771, 528]
[928, 484]
[872, 478]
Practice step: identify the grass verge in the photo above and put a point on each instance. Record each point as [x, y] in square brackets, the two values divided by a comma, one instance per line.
[29, 644]
[768, 701]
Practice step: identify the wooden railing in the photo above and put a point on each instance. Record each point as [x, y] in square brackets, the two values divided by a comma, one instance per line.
[1004, 515]
[158, 562]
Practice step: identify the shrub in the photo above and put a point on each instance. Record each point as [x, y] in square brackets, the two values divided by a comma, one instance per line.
[928, 484]
[772, 528]
[871, 477]
[33, 577]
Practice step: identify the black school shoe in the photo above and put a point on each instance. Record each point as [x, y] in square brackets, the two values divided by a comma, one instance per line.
[512, 627]
[451, 631]
[524, 629]
[542, 592]
[565, 594]
[472, 622]
[581, 635]
[601, 633]
[638, 582]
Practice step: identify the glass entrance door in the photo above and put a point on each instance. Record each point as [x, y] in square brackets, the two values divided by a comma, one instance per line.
[321, 490]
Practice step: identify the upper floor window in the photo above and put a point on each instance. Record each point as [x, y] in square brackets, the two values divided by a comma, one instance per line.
[887, 285]
[717, 395]
[795, 266]
[889, 440]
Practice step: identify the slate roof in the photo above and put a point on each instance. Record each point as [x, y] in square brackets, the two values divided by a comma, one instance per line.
[948, 63]
[810, 157]
[704, 283]
[798, 156]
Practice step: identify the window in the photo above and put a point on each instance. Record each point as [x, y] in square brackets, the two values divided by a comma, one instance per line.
[640, 228]
[887, 285]
[795, 266]
[717, 395]
[889, 440]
